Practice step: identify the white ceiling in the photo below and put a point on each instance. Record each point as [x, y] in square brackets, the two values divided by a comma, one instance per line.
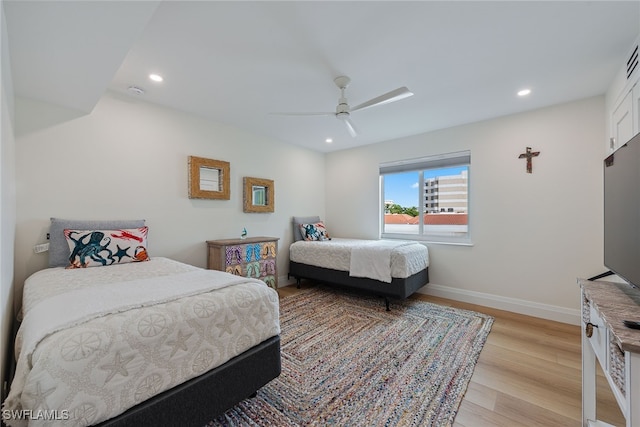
[236, 62]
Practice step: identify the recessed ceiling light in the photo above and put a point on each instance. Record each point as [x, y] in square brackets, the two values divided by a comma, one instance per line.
[156, 77]
[524, 92]
[328, 140]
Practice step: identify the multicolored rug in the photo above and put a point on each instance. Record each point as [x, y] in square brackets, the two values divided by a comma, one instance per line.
[348, 362]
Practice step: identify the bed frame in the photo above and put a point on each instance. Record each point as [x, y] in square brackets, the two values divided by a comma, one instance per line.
[201, 399]
[398, 288]
[195, 402]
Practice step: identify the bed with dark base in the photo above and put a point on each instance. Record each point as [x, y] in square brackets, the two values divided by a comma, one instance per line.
[149, 343]
[202, 399]
[399, 288]
[391, 269]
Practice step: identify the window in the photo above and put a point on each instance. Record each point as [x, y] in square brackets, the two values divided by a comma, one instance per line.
[426, 198]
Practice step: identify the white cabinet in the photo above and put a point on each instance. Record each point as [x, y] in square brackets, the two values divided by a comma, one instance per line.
[623, 122]
[635, 95]
[624, 110]
[607, 341]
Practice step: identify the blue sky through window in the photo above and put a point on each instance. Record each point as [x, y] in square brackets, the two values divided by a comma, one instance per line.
[402, 188]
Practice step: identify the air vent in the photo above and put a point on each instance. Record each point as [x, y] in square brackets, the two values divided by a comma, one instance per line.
[632, 63]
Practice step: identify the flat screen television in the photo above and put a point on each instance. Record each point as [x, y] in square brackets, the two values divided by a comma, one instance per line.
[622, 211]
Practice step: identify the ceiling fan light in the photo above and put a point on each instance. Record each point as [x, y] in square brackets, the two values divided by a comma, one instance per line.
[343, 111]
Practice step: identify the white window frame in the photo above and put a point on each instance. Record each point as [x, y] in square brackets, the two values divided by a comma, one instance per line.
[460, 158]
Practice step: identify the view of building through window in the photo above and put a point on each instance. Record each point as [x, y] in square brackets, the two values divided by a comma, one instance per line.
[429, 202]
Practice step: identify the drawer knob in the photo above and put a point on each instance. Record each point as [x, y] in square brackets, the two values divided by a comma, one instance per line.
[588, 329]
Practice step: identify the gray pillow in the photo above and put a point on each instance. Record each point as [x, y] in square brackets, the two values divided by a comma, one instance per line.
[297, 220]
[58, 247]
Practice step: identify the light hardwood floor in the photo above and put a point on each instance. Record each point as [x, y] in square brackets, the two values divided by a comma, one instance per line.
[528, 374]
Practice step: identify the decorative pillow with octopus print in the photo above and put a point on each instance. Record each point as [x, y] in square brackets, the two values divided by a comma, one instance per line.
[98, 248]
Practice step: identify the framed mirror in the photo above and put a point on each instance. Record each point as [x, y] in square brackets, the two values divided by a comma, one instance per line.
[258, 195]
[208, 178]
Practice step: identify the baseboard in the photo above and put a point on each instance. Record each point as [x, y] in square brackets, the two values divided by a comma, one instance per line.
[529, 308]
[285, 281]
[515, 305]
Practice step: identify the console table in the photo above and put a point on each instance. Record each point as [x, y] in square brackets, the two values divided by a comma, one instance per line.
[617, 348]
[250, 257]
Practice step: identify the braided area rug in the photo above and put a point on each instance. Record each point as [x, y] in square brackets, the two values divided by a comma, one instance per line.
[348, 362]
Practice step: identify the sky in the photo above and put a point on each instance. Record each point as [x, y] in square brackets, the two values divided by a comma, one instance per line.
[402, 188]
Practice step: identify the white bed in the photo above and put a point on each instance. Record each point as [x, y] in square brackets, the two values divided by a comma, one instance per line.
[97, 341]
[404, 258]
[388, 268]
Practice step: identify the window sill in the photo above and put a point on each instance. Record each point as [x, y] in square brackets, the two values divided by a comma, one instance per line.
[434, 242]
[429, 241]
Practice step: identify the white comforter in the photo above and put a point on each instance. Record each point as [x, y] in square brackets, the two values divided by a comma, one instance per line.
[97, 341]
[405, 258]
[373, 259]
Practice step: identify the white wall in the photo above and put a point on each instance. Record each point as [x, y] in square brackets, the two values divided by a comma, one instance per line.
[532, 234]
[128, 159]
[7, 196]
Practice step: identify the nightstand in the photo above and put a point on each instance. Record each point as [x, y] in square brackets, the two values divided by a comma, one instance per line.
[251, 257]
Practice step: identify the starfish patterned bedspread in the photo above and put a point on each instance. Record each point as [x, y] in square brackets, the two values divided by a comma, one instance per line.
[94, 342]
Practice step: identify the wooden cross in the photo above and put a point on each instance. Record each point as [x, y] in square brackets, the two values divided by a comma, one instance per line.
[529, 155]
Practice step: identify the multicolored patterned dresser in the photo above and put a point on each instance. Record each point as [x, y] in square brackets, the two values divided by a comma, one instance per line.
[250, 257]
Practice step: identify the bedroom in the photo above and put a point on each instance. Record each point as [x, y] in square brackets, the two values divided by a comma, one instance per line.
[533, 234]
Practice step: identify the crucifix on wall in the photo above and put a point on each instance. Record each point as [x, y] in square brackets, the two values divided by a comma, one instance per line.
[529, 155]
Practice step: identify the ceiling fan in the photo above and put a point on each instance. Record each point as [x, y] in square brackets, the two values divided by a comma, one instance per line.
[343, 110]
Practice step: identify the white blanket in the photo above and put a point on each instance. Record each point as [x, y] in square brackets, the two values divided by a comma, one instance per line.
[119, 303]
[373, 260]
[67, 310]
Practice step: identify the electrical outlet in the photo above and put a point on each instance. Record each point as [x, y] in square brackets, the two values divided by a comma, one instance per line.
[41, 248]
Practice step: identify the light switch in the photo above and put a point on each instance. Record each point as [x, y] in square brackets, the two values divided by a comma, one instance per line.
[41, 248]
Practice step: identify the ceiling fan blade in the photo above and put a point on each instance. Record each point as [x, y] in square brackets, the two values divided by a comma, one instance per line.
[350, 126]
[304, 114]
[394, 95]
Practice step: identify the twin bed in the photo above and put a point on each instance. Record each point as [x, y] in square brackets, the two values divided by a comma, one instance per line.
[148, 343]
[390, 269]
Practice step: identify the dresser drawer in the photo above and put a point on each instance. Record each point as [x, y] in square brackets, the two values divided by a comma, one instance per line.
[598, 339]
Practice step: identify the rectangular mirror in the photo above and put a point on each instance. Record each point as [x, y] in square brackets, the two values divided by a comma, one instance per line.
[208, 178]
[258, 195]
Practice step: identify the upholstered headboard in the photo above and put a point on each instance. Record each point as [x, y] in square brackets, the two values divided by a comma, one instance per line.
[59, 249]
[297, 220]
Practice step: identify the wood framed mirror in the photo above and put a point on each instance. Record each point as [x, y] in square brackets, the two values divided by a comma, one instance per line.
[258, 195]
[209, 179]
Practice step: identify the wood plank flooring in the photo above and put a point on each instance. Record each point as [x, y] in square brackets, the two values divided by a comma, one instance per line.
[528, 374]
